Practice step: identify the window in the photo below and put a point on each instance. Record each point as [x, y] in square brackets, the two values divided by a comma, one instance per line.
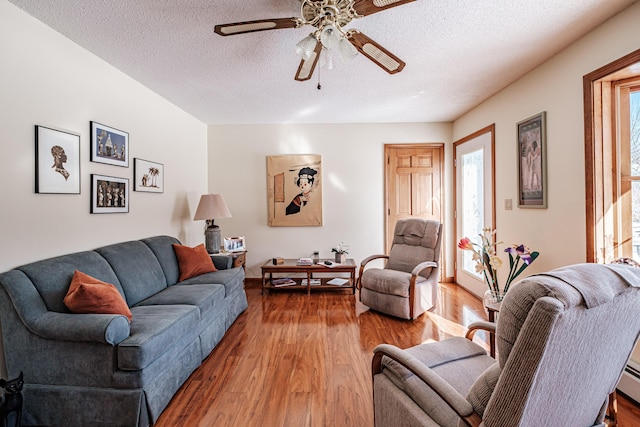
[612, 160]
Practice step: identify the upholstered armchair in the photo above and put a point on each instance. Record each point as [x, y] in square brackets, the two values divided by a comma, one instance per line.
[407, 286]
[563, 340]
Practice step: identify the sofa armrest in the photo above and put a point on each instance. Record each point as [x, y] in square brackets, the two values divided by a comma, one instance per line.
[222, 262]
[103, 328]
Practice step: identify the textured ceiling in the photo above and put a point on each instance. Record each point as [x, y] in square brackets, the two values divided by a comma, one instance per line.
[458, 53]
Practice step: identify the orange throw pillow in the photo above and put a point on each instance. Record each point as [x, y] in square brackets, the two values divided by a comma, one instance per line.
[89, 295]
[193, 261]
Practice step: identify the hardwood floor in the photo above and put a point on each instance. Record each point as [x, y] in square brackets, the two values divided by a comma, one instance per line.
[293, 359]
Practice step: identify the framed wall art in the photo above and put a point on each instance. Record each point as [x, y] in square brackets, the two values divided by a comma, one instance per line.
[532, 162]
[109, 145]
[234, 244]
[294, 190]
[148, 176]
[57, 161]
[109, 194]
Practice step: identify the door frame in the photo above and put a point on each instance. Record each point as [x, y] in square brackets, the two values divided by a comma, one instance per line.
[488, 129]
[425, 145]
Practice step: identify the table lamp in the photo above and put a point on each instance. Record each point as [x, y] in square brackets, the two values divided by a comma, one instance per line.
[212, 206]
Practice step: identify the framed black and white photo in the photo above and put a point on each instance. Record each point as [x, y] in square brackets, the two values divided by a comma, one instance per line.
[57, 161]
[234, 244]
[109, 194]
[109, 145]
[532, 162]
[148, 176]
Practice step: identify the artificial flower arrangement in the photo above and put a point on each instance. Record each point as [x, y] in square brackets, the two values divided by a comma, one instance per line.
[341, 252]
[341, 249]
[487, 261]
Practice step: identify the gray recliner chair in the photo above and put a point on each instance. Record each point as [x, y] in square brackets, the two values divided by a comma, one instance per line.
[407, 286]
[563, 340]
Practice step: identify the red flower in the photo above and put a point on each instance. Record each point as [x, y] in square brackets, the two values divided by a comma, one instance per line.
[465, 244]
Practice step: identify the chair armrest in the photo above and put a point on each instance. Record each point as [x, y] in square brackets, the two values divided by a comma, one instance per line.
[447, 393]
[426, 264]
[480, 326]
[103, 328]
[371, 258]
[364, 263]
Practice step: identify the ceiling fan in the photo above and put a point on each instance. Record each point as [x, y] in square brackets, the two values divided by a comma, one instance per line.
[329, 17]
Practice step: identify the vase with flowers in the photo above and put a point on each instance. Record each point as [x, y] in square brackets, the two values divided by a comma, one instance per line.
[341, 253]
[488, 262]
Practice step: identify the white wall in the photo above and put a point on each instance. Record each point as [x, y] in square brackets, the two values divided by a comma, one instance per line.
[45, 79]
[353, 183]
[559, 232]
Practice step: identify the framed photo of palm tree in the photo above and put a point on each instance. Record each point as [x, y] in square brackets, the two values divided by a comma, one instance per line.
[148, 176]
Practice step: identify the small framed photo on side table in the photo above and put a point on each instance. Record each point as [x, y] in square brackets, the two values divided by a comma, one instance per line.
[234, 244]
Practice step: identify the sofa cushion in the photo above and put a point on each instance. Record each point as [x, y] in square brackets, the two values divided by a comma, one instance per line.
[154, 330]
[207, 297]
[193, 261]
[89, 295]
[161, 247]
[232, 279]
[137, 268]
[52, 276]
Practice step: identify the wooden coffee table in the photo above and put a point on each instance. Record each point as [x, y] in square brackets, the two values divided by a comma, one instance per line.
[315, 271]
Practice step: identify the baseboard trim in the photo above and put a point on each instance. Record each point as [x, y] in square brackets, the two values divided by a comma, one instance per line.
[630, 382]
[252, 282]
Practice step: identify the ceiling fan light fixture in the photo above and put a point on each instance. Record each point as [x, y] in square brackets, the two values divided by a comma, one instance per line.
[306, 46]
[330, 36]
[326, 59]
[347, 50]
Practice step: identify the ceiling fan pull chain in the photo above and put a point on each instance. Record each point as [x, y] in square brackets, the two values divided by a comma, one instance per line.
[319, 85]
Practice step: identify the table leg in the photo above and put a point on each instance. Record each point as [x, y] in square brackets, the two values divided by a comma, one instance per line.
[492, 337]
[353, 281]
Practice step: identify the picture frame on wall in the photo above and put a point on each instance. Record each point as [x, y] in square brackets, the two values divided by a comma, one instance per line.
[109, 194]
[57, 161]
[234, 244]
[109, 145]
[148, 176]
[532, 162]
[294, 190]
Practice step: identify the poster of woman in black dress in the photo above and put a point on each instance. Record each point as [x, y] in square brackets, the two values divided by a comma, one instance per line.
[304, 181]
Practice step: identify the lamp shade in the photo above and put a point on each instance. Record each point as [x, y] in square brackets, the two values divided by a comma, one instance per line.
[212, 206]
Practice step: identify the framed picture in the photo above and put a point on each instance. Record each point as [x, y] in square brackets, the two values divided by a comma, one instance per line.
[148, 176]
[109, 145]
[532, 162]
[109, 194]
[57, 161]
[294, 190]
[234, 244]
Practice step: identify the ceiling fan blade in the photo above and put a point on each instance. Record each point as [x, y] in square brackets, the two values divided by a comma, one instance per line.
[308, 65]
[368, 7]
[372, 50]
[259, 25]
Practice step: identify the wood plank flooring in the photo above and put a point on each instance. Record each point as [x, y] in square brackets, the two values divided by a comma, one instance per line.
[296, 360]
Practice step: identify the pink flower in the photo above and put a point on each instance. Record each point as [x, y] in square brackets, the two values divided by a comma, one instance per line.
[465, 244]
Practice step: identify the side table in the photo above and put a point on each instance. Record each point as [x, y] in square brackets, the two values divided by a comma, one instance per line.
[493, 308]
[239, 258]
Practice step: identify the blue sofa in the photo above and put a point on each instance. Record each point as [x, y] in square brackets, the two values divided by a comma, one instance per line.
[101, 369]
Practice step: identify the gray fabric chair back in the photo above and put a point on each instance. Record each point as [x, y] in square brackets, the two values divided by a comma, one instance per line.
[563, 340]
[415, 240]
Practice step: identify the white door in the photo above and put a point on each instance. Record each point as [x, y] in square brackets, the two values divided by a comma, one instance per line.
[473, 157]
